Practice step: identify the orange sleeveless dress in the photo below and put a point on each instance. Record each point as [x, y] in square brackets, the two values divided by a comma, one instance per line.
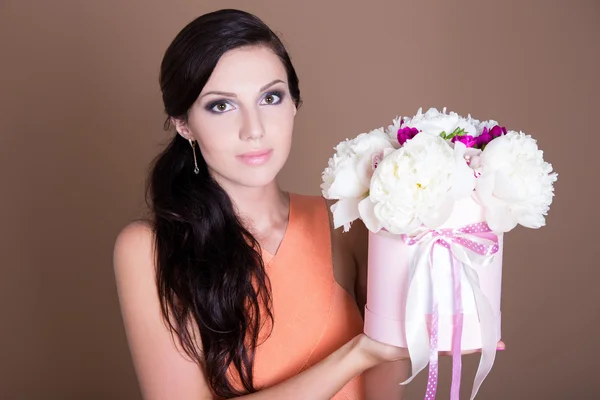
[313, 315]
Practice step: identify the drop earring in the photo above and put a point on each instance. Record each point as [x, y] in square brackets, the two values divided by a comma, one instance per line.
[196, 169]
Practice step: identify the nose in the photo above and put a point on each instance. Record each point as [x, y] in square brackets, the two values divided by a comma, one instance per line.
[252, 127]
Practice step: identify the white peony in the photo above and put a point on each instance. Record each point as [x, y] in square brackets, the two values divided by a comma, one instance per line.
[516, 184]
[413, 186]
[433, 122]
[349, 171]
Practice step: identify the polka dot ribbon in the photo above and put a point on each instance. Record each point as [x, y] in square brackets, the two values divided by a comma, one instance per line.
[478, 240]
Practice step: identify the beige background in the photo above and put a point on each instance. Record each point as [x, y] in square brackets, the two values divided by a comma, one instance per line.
[81, 117]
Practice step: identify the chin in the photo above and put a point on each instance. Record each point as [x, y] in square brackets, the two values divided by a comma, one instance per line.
[260, 175]
[257, 178]
[249, 176]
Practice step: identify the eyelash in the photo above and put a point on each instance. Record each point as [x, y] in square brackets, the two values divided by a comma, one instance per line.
[211, 106]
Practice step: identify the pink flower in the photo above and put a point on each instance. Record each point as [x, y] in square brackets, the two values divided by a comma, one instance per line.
[406, 133]
[497, 131]
[467, 140]
[489, 135]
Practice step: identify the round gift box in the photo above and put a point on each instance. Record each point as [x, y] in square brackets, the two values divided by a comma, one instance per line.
[388, 283]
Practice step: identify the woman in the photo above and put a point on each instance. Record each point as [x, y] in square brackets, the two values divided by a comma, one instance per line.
[257, 296]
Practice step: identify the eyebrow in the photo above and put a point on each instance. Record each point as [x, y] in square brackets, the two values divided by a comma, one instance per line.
[229, 94]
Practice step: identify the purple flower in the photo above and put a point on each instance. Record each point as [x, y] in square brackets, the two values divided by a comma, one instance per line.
[406, 133]
[484, 138]
[467, 140]
[497, 131]
[489, 135]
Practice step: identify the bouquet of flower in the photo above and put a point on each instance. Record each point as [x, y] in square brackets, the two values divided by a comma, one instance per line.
[437, 191]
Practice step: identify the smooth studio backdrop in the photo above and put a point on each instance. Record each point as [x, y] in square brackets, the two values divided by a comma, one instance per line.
[81, 118]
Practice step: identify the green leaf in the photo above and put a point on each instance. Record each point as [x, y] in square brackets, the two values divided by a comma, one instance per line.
[456, 132]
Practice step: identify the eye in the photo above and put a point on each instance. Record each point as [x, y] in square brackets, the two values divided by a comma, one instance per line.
[272, 98]
[220, 107]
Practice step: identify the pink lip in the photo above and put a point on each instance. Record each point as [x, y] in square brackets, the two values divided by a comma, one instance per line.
[256, 157]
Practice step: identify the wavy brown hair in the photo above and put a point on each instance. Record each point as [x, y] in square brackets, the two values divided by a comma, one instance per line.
[210, 273]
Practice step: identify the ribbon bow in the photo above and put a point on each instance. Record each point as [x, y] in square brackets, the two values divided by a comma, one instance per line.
[469, 245]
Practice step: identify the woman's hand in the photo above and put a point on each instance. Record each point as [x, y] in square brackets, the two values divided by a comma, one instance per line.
[377, 352]
[388, 366]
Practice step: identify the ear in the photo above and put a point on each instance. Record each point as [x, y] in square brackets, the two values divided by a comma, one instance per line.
[182, 128]
[297, 107]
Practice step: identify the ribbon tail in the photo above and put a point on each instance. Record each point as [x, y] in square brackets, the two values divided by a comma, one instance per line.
[457, 331]
[456, 359]
[417, 337]
[488, 332]
[432, 378]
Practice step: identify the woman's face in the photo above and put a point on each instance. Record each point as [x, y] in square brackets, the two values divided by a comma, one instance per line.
[243, 118]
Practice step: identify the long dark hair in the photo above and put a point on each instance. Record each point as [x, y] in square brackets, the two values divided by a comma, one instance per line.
[210, 273]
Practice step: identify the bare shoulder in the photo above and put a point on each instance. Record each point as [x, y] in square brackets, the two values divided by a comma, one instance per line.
[133, 258]
[134, 261]
[163, 370]
[135, 240]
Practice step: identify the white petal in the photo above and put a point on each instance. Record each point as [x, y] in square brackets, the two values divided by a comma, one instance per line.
[484, 189]
[463, 177]
[364, 170]
[366, 209]
[346, 185]
[408, 227]
[506, 190]
[500, 219]
[468, 127]
[532, 221]
[434, 218]
[345, 211]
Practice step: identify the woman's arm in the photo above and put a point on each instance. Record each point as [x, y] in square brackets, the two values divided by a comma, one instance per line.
[162, 370]
[165, 373]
